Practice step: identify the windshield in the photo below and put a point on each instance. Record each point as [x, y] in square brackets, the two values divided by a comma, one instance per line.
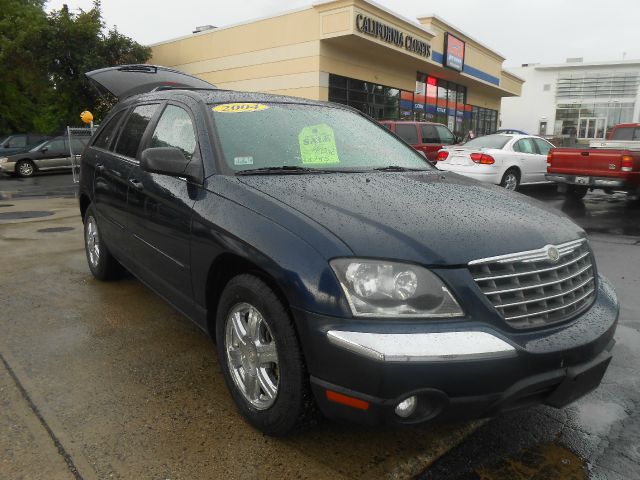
[297, 137]
[489, 141]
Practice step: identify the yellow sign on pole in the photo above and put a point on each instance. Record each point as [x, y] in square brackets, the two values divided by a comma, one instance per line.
[86, 117]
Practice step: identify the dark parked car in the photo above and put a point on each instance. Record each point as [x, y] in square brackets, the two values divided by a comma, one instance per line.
[334, 266]
[19, 142]
[426, 137]
[53, 154]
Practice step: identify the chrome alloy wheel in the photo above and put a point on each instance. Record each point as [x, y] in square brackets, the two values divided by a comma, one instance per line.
[252, 356]
[25, 169]
[92, 239]
[510, 181]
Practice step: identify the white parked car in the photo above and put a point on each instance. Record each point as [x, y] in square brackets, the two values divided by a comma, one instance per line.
[502, 159]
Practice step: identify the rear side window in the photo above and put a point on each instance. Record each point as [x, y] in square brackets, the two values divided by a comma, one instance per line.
[429, 134]
[56, 147]
[446, 137]
[524, 145]
[543, 146]
[108, 132]
[133, 130]
[175, 129]
[17, 141]
[626, 133]
[407, 132]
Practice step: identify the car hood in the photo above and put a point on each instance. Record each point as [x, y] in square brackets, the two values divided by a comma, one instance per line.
[433, 218]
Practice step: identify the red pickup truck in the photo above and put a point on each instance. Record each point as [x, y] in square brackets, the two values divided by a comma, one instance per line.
[612, 165]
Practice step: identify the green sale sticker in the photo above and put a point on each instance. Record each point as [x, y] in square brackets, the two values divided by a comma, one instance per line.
[318, 145]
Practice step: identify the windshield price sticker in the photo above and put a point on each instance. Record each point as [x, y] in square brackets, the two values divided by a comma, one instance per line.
[318, 145]
[239, 107]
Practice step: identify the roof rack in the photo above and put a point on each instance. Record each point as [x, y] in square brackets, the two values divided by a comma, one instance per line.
[175, 87]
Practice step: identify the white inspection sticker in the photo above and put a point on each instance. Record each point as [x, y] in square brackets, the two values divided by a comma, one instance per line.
[243, 160]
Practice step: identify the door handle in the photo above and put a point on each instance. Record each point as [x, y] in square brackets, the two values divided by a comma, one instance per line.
[136, 183]
[99, 167]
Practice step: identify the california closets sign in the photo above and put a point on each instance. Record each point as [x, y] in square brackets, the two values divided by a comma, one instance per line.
[388, 34]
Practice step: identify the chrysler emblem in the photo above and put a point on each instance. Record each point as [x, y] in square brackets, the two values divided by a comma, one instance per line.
[552, 254]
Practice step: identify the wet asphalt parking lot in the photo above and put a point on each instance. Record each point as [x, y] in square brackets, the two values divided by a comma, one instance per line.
[105, 380]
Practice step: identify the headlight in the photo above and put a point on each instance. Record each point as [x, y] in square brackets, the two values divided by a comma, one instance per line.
[3, 160]
[379, 288]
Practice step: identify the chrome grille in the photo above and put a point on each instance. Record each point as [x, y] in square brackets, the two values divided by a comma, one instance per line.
[538, 287]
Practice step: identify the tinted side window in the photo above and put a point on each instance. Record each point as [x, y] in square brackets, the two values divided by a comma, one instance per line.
[175, 129]
[77, 145]
[133, 130]
[429, 134]
[623, 133]
[446, 137]
[524, 145]
[107, 133]
[17, 141]
[407, 132]
[543, 147]
[56, 147]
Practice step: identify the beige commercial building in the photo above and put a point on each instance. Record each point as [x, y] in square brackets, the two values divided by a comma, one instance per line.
[357, 53]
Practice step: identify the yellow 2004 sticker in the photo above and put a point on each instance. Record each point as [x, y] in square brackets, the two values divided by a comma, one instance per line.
[318, 145]
[239, 107]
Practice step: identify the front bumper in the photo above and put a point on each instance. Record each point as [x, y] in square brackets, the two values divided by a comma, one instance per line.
[8, 167]
[498, 370]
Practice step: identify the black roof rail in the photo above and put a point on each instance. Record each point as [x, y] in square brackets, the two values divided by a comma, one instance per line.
[177, 87]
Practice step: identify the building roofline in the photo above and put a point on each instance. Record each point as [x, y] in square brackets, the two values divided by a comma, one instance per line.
[511, 74]
[568, 65]
[413, 22]
[233, 25]
[453, 27]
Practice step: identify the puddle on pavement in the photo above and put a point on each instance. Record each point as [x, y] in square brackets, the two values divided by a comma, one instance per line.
[55, 229]
[542, 462]
[23, 215]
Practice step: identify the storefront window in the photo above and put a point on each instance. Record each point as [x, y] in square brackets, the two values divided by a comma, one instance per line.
[378, 101]
[433, 100]
[591, 120]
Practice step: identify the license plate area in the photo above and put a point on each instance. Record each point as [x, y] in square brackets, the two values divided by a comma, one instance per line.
[582, 180]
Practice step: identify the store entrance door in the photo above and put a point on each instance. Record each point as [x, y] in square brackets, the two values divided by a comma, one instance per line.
[592, 127]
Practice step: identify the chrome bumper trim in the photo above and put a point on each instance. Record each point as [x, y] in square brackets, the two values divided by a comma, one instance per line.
[422, 347]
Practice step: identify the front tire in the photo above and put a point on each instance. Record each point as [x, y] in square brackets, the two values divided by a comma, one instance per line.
[510, 180]
[25, 168]
[102, 264]
[260, 358]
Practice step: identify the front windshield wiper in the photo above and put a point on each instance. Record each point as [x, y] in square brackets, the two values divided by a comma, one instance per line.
[398, 168]
[282, 169]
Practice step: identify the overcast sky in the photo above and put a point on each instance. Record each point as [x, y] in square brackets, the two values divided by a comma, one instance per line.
[546, 31]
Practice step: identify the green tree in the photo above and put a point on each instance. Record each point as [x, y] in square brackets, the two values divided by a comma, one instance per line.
[47, 88]
[23, 80]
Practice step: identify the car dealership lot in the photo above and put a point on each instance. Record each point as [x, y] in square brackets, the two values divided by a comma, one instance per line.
[107, 380]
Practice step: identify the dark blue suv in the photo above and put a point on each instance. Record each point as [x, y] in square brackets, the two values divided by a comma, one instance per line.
[337, 270]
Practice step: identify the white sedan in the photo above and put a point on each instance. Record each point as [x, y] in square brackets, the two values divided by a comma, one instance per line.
[502, 159]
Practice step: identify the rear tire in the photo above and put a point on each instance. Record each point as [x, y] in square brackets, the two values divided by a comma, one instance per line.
[25, 168]
[102, 264]
[576, 192]
[511, 180]
[263, 366]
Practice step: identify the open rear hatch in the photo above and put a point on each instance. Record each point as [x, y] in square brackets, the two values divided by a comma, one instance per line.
[126, 80]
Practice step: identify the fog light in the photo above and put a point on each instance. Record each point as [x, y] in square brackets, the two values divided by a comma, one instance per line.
[406, 407]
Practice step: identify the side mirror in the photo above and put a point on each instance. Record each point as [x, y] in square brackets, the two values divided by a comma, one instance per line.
[44, 149]
[170, 161]
[457, 139]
